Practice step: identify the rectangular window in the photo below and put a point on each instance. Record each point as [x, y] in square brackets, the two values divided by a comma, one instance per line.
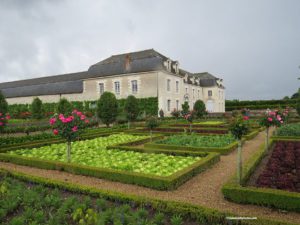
[168, 85]
[177, 86]
[193, 93]
[134, 86]
[169, 106]
[101, 88]
[209, 93]
[186, 90]
[198, 93]
[177, 104]
[117, 87]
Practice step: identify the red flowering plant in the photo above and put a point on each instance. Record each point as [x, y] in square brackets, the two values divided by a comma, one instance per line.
[69, 127]
[3, 120]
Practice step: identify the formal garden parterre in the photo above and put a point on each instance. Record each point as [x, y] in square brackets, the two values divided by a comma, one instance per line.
[179, 149]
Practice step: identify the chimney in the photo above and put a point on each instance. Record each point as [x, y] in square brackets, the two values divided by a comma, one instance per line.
[127, 62]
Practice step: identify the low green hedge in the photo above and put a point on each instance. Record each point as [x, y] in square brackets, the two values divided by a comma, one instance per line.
[201, 214]
[259, 196]
[251, 135]
[224, 150]
[156, 182]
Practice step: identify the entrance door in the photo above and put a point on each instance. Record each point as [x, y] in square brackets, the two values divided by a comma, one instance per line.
[210, 105]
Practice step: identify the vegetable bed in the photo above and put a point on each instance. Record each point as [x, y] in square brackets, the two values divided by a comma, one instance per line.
[27, 203]
[283, 168]
[92, 158]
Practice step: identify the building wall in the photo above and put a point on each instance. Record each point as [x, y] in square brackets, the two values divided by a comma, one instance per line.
[150, 84]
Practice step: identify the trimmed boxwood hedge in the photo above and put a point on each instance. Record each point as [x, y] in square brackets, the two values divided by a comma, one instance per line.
[260, 196]
[174, 148]
[157, 182]
[201, 214]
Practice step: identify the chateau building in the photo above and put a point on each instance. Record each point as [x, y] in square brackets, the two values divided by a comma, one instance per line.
[142, 74]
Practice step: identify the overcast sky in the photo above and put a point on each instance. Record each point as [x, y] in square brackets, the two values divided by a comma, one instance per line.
[253, 45]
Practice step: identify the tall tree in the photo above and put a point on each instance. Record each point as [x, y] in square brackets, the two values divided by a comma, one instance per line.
[131, 108]
[107, 108]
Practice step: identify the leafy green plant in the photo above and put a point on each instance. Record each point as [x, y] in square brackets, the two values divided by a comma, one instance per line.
[159, 218]
[185, 108]
[176, 220]
[107, 108]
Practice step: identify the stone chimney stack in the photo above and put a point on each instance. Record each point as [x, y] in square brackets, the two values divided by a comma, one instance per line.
[127, 62]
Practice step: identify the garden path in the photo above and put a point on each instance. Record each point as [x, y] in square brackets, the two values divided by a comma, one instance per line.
[203, 189]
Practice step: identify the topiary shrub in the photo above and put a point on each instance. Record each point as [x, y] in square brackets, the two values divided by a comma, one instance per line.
[64, 106]
[185, 108]
[107, 108]
[131, 108]
[199, 109]
[37, 109]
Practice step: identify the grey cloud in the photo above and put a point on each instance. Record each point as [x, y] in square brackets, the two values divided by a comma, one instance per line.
[253, 45]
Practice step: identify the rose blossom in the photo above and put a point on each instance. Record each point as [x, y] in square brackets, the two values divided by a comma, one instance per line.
[82, 117]
[86, 121]
[246, 117]
[52, 121]
[55, 132]
[75, 128]
[270, 119]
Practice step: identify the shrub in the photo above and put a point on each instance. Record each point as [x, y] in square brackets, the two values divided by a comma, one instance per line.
[3, 104]
[151, 123]
[64, 106]
[175, 113]
[185, 108]
[161, 113]
[199, 109]
[36, 109]
[131, 108]
[107, 108]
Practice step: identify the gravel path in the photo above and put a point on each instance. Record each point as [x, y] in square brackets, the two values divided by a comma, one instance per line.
[204, 189]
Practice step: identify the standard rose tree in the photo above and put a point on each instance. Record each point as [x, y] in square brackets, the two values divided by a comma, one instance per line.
[69, 127]
[272, 119]
[3, 120]
[238, 128]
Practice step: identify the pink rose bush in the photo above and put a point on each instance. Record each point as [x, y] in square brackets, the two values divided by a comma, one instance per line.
[68, 127]
[274, 118]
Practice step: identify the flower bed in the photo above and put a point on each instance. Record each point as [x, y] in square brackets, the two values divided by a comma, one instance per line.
[91, 158]
[283, 169]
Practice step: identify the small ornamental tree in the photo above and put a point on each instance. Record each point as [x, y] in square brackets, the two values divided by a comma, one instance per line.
[239, 127]
[107, 108]
[175, 113]
[199, 109]
[189, 118]
[64, 106]
[69, 127]
[151, 123]
[271, 119]
[131, 108]
[37, 109]
[185, 108]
